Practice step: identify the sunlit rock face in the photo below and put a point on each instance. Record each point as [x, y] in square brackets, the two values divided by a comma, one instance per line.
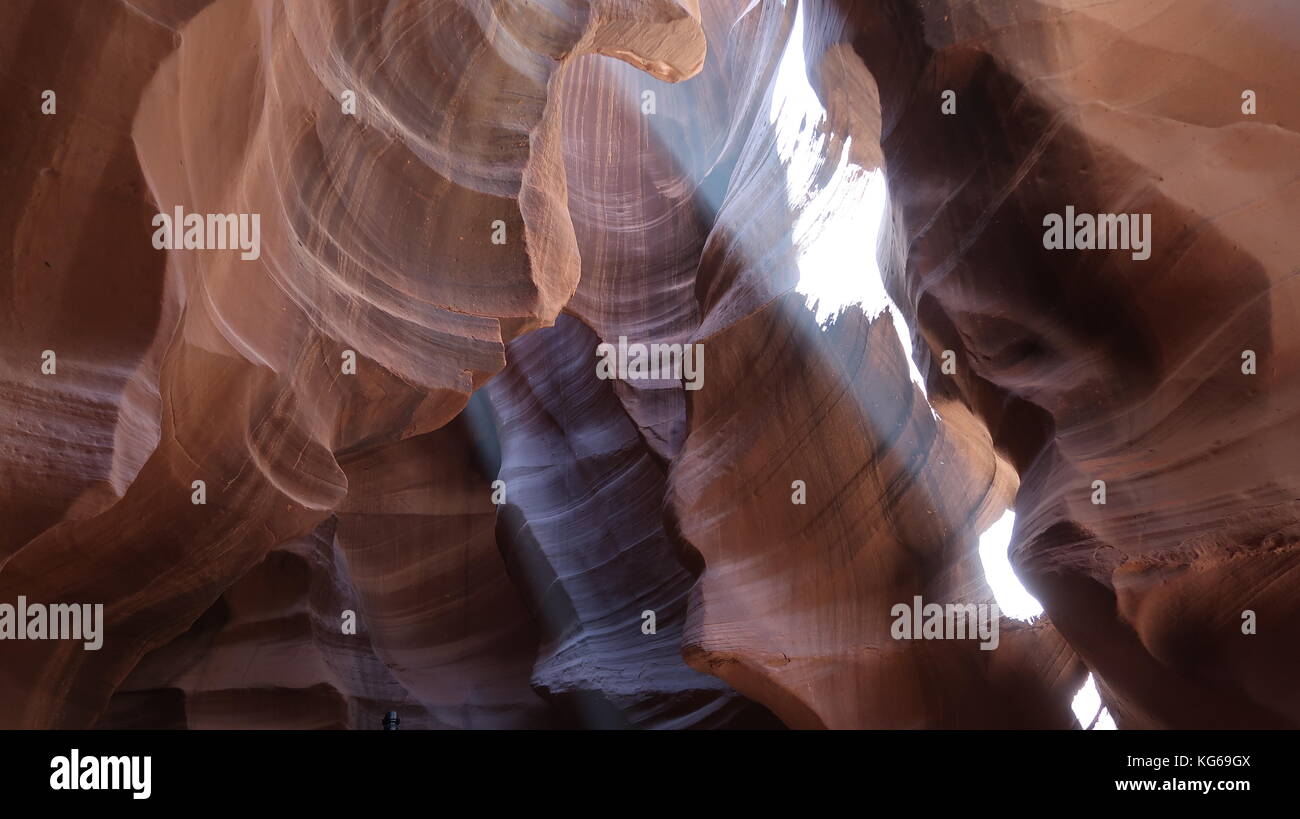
[1093, 365]
[420, 495]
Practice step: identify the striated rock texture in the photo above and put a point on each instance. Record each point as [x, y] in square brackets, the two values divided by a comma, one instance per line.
[1094, 365]
[417, 493]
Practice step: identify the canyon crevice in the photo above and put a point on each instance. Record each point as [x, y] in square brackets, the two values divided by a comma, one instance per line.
[396, 418]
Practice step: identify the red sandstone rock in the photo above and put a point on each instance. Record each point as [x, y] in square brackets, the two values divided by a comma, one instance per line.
[329, 491]
[1093, 365]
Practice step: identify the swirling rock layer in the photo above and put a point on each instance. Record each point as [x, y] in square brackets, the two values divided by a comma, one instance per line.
[417, 494]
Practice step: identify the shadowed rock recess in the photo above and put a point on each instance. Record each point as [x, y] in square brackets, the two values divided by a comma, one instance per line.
[420, 493]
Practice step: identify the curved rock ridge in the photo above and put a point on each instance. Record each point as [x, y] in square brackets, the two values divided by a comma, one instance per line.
[304, 673]
[648, 163]
[794, 603]
[437, 632]
[1098, 366]
[796, 608]
[70, 446]
[346, 205]
[582, 529]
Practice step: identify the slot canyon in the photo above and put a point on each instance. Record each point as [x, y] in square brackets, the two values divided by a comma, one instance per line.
[374, 466]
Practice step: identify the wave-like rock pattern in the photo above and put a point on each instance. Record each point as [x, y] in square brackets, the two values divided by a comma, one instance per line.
[1093, 365]
[269, 654]
[252, 400]
[582, 529]
[372, 491]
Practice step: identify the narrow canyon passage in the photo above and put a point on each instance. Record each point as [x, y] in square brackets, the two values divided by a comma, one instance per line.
[651, 363]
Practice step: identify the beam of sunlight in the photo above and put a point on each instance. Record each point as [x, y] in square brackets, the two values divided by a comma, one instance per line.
[1012, 597]
[1015, 601]
[838, 228]
[1088, 709]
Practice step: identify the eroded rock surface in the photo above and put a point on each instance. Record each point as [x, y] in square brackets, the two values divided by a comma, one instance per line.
[625, 155]
[1094, 365]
